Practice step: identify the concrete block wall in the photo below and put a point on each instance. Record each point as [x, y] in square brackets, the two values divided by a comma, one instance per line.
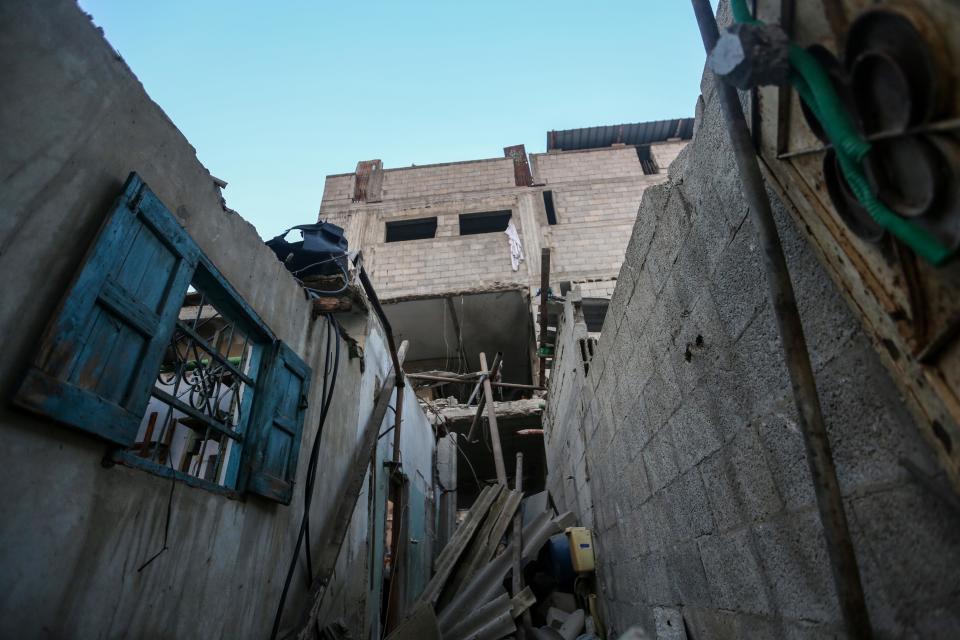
[664, 153]
[421, 267]
[586, 165]
[697, 483]
[600, 200]
[453, 177]
[587, 251]
[596, 194]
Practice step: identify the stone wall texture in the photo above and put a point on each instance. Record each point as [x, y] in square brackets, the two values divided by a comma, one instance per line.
[679, 444]
[595, 193]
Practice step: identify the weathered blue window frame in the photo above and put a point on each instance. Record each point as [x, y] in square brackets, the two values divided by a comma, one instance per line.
[212, 292]
[99, 359]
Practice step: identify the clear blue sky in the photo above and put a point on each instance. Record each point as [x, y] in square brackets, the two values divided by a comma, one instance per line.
[276, 95]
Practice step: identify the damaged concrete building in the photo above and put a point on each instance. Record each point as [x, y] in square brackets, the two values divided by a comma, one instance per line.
[455, 252]
[198, 440]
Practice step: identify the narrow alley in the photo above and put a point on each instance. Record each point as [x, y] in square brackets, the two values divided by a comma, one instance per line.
[693, 378]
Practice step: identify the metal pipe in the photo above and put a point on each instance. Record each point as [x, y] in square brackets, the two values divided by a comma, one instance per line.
[375, 303]
[843, 561]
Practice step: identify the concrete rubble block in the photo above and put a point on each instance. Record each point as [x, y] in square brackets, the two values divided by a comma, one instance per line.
[793, 554]
[739, 483]
[735, 577]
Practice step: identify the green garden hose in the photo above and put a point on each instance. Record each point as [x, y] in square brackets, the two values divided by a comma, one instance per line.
[816, 90]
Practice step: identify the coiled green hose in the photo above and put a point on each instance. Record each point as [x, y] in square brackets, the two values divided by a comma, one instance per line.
[816, 90]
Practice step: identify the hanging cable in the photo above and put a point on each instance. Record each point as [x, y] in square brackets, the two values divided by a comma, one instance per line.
[332, 326]
[306, 505]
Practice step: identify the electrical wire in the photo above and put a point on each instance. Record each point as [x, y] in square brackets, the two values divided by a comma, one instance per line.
[333, 325]
[476, 478]
[323, 396]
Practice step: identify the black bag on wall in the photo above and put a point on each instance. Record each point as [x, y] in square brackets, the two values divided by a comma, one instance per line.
[323, 250]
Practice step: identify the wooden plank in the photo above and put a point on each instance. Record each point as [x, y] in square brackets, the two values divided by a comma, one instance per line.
[510, 507]
[517, 542]
[461, 538]
[336, 527]
[494, 431]
[421, 624]
[475, 555]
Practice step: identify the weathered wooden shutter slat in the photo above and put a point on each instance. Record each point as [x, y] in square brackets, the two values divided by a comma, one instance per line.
[278, 416]
[100, 354]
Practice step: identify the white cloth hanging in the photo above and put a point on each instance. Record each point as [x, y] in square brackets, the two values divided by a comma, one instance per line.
[516, 249]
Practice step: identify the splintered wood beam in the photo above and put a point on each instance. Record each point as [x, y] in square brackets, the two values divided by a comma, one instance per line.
[481, 405]
[336, 527]
[517, 543]
[492, 418]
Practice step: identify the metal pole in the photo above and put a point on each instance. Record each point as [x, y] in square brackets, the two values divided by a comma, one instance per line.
[843, 561]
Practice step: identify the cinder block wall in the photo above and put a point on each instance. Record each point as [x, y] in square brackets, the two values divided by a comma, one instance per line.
[680, 447]
[596, 194]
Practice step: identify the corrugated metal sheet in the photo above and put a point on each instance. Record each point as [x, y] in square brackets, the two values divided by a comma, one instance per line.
[636, 133]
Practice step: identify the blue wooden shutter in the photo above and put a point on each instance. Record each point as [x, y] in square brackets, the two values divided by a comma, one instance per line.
[277, 425]
[100, 354]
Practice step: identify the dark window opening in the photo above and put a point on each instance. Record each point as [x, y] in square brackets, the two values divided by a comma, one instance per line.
[548, 204]
[485, 222]
[419, 229]
[646, 161]
[594, 311]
